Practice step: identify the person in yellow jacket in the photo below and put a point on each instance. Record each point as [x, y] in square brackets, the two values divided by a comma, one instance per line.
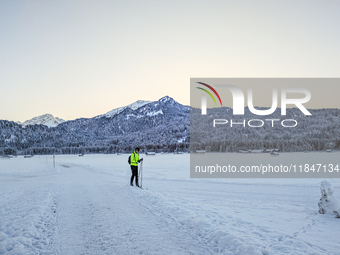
[134, 159]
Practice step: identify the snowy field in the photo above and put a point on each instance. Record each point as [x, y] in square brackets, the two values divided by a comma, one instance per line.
[85, 206]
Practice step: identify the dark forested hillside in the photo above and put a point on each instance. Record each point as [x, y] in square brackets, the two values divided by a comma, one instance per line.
[166, 125]
[313, 133]
[161, 125]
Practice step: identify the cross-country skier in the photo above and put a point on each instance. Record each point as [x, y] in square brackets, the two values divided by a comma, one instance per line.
[134, 158]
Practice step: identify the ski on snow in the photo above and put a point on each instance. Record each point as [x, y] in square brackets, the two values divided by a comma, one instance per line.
[138, 187]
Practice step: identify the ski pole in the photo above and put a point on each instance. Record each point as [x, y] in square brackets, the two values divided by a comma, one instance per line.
[138, 173]
[141, 175]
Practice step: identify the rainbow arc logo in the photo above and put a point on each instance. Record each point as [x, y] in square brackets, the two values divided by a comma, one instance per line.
[208, 92]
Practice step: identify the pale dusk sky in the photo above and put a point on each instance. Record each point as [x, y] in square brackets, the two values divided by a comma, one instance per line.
[84, 58]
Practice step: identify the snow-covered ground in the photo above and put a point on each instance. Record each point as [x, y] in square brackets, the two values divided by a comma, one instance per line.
[85, 206]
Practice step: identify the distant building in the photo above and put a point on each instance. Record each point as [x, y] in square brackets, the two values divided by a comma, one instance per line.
[200, 151]
[150, 153]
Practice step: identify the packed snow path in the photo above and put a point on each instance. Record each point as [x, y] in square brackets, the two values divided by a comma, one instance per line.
[85, 206]
[101, 216]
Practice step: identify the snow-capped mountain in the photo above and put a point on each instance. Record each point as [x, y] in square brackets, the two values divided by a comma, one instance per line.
[160, 122]
[165, 125]
[46, 119]
[132, 106]
[159, 125]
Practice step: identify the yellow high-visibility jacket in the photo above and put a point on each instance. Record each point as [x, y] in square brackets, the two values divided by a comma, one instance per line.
[134, 159]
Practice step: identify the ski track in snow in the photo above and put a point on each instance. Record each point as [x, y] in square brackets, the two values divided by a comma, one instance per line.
[108, 223]
[84, 206]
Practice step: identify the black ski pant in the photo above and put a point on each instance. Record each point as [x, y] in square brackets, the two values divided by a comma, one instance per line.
[134, 170]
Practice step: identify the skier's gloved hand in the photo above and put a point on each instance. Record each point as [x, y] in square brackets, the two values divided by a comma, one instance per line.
[140, 160]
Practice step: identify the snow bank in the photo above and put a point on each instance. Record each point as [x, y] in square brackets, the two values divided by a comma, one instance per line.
[328, 204]
[28, 221]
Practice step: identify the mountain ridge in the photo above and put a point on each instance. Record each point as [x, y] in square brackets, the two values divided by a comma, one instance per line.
[134, 106]
[51, 121]
[162, 124]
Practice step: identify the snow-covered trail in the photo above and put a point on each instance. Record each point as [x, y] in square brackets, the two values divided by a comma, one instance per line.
[72, 209]
[99, 215]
